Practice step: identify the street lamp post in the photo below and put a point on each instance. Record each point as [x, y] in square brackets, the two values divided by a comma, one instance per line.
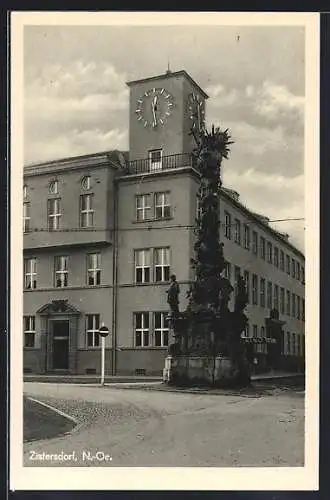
[104, 332]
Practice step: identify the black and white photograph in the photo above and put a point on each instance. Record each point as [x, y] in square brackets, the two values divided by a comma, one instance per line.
[164, 243]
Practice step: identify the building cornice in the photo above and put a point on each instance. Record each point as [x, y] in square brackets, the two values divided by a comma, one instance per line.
[94, 160]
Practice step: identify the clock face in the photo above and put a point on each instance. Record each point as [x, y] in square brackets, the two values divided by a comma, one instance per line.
[154, 107]
[196, 108]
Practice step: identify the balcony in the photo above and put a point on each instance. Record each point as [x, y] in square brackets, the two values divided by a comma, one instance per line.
[160, 164]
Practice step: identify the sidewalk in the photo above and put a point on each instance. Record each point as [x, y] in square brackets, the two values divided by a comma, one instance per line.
[276, 375]
[138, 379]
[89, 379]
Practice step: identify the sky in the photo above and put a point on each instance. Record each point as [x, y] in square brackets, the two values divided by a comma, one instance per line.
[76, 99]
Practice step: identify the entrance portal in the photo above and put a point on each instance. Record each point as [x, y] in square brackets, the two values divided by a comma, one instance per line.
[61, 331]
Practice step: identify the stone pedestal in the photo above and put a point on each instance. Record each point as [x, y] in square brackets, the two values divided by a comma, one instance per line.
[167, 369]
[190, 370]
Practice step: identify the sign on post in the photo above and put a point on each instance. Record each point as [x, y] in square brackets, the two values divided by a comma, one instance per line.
[104, 332]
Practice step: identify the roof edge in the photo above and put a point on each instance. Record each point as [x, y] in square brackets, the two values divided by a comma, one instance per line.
[82, 161]
[169, 74]
[263, 224]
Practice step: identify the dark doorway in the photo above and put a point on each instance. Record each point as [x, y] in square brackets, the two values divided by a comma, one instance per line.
[61, 344]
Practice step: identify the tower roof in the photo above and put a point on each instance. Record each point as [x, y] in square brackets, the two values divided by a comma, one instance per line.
[170, 74]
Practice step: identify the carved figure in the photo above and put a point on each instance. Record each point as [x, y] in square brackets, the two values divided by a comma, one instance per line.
[173, 295]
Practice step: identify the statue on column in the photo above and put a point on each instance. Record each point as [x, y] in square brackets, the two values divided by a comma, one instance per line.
[173, 301]
[173, 296]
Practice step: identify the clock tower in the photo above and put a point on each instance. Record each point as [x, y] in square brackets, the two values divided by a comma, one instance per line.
[163, 110]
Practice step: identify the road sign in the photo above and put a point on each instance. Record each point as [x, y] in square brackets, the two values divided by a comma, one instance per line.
[104, 331]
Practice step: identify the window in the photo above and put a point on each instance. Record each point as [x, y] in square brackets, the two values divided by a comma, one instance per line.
[30, 273]
[298, 307]
[262, 292]
[162, 264]
[288, 303]
[94, 269]
[141, 322]
[86, 182]
[26, 217]
[303, 309]
[86, 210]
[53, 187]
[294, 344]
[281, 260]
[237, 274]
[155, 160]
[92, 330]
[161, 329]
[293, 301]
[298, 345]
[237, 231]
[255, 330]
[247, 284]
[282, 300]
[298, 271]
[276, 257]
[303, 274]
[269, 295]
[228, 271]
[162, 205]
[255, 242]
[61, 271]
[293, 268]
[29, 330]
[269, 253]
[227, 225]
[254, 289]
[142, 266]
[246, 237]
[54, 214]
[288, 348]
[247, 330]
[288, 264]
[262, 247]
[276, 297]
[143, 207]
[303, 345]
[262, 331]
[25, 191]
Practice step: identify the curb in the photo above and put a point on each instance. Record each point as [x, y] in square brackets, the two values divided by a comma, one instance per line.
[77, 426]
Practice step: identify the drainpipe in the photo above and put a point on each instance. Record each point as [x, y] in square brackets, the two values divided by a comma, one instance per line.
[114, 279]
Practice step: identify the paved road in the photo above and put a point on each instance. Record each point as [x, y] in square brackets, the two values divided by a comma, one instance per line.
[130, 427]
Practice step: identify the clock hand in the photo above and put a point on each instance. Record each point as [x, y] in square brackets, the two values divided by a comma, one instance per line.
[154, 107]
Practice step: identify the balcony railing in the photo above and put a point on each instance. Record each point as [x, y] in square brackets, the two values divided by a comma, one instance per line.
[170, 162]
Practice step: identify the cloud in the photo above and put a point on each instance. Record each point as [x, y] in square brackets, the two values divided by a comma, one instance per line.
[268, 105]
[85, 103]
[276, 102]
[75, 143]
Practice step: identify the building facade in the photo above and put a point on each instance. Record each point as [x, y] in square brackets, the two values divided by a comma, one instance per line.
[104, 232]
